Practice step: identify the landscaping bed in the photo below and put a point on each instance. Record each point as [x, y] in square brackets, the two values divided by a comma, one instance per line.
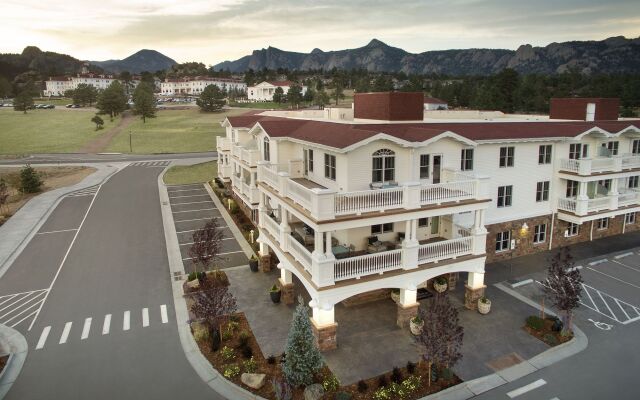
[3, 362]
[237, 215]
[544, 330]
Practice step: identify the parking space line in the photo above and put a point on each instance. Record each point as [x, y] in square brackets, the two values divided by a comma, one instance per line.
[184, 190]
[185, 244]
[191, 195]
[526, 388]
[28, 316]
[85, 329]
[625, 265]
[63, 230]
[65, 333]
[592, 263]
[163, 314]
[591, 299]
[126, 321]
[220, 254]
[145, 317]
[200, 209]
[191, 202]
[43, 337]
[623, 255]
[613, 277]
[106, 324]
[606, 304]
[196, 219]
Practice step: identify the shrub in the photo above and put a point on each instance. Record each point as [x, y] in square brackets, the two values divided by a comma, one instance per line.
[234, 318]
[343, 396]
[535, 322]
[282, 389]
[228, 353]
[271, 359]
[383, 381]
[247, 352]
[362, 386]
[411, 367]
[243, 338]
[191, 276]
[250, 366]
[396, 375]
[30, 181]
[200, 332]
[233, 326]
[231, 371]
[446, 374]
[330, 383]
[381, 394]
[227, 334]
[550, 339]
[283, 358]
[411, 384]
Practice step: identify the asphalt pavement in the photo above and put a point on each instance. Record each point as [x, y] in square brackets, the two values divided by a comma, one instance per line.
[103, 157]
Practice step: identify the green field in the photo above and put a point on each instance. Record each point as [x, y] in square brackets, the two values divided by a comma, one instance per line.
[263, 105]
[46, 131]
[58, 102]
[197, 173]
[173, 131]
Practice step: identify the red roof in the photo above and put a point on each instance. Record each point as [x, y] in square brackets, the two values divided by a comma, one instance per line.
[341, 135]
[434, 100]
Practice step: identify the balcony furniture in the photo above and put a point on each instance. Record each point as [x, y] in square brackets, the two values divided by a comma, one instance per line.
[400, 237]
[375, 246]
[305, 234]
[340, 251]
[383, 185]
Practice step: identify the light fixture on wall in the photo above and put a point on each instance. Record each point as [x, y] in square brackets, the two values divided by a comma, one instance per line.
[524, 229]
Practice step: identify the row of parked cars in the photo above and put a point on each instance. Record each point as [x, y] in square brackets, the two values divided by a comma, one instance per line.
[44, 106]
[6, 105]
[72, 106]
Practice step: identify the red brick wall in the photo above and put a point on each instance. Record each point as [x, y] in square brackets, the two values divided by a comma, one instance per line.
[389, 106]
[576, 108]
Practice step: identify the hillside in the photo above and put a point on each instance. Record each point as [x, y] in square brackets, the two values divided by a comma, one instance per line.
[612, 55]
[143, 60]
[35, 64]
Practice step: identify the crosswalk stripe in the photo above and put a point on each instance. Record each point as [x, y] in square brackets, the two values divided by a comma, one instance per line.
[145, 317]
[106, 325]
[163, 313]
[86, 328]
[65, 333]
[126, 323]
[43, 337]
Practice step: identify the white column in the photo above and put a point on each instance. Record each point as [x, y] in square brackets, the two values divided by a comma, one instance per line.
[317, 244]
[253, 179]
[264, 249]
[407, 231]
[475, 280]
[408, 297]
[328, 251]
[323, 315]
[285, 230]
[285, 275]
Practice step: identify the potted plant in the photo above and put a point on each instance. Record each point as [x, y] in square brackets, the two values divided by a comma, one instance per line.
[484, 305]
[275, 294]
[253, 263]
[440, 284]
[395, 295]
[415, 325]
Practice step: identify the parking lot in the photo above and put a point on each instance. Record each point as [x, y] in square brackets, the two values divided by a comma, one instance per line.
[192, 207]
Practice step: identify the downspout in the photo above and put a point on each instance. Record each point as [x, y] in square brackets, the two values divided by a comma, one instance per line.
[591, 232]
[624, 223]
[553, 219]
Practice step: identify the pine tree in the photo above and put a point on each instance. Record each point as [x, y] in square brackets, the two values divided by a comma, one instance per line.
[144, 104]
[303, 357]
[30, 181]
[211, 99]
[23, 101]
[112, 100]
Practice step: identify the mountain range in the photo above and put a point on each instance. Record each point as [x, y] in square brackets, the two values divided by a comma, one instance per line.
[143, 60]
[613, 55]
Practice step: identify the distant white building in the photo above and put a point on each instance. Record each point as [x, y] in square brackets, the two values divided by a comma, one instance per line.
[195, 85]
[432, 103]
[264, 91]
[57, 85]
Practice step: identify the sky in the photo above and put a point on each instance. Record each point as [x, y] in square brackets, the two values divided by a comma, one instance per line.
[211, 31]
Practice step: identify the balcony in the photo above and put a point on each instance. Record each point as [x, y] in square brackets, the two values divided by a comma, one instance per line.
[582, 207]
[589, 166]
[246, 155]
[323, 203]
[223, 143]
[251, 193]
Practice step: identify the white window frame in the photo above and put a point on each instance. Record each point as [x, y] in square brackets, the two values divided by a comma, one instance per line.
[630, 218]
[503, 241]
[466, 160]
[602, 224]
[635, 147]
[330, 166]
[633, 182]
[544, 154]
[507, 156]
[425, 169]
[540, 233]
[266, 149]
[387, 167]
[542, 191]
[380, 229]
[505, 199]
[573, 229]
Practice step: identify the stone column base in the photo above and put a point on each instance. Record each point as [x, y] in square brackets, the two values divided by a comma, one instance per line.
[286, 290]
[265, 263]
[326, 336]
[405, 313]
[453, 280]
[471, 296]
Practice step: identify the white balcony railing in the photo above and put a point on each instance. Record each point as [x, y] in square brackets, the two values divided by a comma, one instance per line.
[368, 264]
[299, 194]
[223, 143]
[236, 151]
[630, 161]
[249, 156]
[599, 203]
[299, 252]
[451, 191]
[628, 198]
[566, 204]
[588, 166]
[368, 200]
[434, 252]
[272, 226]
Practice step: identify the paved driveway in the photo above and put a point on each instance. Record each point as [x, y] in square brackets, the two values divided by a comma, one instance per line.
[192, 208]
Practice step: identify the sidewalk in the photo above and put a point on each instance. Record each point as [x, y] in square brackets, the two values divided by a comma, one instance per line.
[14, 344]
[18, 231]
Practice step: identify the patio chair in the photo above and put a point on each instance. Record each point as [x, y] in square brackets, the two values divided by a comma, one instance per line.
[374, 245]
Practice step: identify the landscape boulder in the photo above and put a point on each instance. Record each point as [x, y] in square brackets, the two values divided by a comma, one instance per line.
[313, 392]
[254, 381]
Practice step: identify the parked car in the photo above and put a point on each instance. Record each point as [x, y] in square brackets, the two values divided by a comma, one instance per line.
[69, 105]
[49, 106]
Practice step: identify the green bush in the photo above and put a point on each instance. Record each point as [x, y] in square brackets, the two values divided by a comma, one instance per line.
[330, 383]
[231, 371]
[227, 334]
[343, 396]
[535, 322]
[191, 276]
[228, 353]
[30, 181]
[243, 338]
[250, 366]
[550, 339]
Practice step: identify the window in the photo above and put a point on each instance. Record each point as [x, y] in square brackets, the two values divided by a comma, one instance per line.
[544, 154]
[572, 189]
[466, 160]
[633, 182]
[578, 151]
[630, 218]
[504, 196]
[422, 222]
[424, 166]
[310, 160]
[506, 156]
[330, 166]
[635, 146]
[384, 166]
[381, 228]
[503, 241]
[540, 233]
[542, 191]
[610, 148]
[602, 223]
[266, 149]
[573, 229]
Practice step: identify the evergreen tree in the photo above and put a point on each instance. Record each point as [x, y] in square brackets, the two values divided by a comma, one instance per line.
[23, 101]
[85, 94]
[112, 100]
[278, 95]
[303, 357]
[211, 99]
[98, 121]
[144, 103]
[294, 95]
[5, 87]
[30, 181]
[321, 98]
[338, 92]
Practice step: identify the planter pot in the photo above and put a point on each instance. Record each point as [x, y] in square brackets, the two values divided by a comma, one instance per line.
[440, 288]
[415, 328]
[395, 296]
[484, 307]
[253, 264]
[275, 296]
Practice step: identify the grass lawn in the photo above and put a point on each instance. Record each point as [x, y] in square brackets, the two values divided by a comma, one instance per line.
[263, 105]
[46, 131]
[58, 102]
[183, 174]
[173, 131]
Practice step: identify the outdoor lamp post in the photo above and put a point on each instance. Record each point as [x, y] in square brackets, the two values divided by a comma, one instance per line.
[524, 229]
[130, 144]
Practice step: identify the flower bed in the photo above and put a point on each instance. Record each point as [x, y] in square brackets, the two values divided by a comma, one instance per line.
[191, 285]
[543, 330]
[237, 215]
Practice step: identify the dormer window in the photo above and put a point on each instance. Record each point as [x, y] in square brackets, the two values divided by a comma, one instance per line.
[383, 166]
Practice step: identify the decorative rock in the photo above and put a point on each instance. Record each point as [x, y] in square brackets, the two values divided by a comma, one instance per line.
[254, 381]
[313, 392]
[194, 284]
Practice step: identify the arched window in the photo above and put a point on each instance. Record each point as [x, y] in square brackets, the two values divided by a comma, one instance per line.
[266, 150]
[383, 166]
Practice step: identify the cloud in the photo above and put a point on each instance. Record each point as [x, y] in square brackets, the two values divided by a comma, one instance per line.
[215, 31]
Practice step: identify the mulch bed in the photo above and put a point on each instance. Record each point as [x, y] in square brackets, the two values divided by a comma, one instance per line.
[3, 362]
[238, 216]
[546, 334]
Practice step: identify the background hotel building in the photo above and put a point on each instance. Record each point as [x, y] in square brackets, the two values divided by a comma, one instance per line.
[195, 85]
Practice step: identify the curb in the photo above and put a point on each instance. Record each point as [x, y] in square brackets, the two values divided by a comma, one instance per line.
[16, 344]
[475, 387]
[248, 251]
[200, 364]
[29, 215]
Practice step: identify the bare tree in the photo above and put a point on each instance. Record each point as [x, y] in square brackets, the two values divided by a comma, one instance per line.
[213, 304]
[4, 193]
[441, 336]
[563, 286]
[207, 244]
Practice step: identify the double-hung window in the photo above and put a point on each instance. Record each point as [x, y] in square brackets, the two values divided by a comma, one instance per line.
[381, 228]
[466, 160]
[503, 241]
[633, 182]
[266, 149]
[505, 194]
[310, 160]
[610, 148]
[630, 218]
[573, 229]
[544, 154]
[330, 166]
[540, 233]
[602, 223]
[506, 156]
[424, 166]
[578, 151]
[635, 147]
[542, 191]
[572, 189]
[383, 166]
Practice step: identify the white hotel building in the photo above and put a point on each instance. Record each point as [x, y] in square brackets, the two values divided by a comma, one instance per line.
[391, 201]
[56, 86]
[264, 91]
[195, 85]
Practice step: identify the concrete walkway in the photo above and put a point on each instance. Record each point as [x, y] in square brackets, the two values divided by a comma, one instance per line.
[15, 345]
[18, 231]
